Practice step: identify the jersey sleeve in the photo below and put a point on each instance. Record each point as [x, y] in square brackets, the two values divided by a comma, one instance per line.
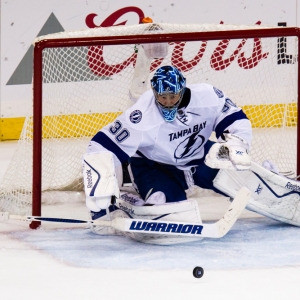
[124, 136]
[231, 118]
[120, 137]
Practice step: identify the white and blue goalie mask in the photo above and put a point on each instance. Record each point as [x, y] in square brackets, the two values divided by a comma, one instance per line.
[168, 80]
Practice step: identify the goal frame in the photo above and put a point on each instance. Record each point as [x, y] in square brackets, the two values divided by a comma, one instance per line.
[118, 40]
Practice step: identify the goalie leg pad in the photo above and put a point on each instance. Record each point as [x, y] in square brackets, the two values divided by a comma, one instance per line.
[183, 211]
[271, 195]
[129, 206]
[100, 181]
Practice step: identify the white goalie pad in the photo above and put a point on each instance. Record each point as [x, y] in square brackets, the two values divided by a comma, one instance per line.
[174, 210]
[100, 181]
[272, 195]
[130, 207]
[187, 211]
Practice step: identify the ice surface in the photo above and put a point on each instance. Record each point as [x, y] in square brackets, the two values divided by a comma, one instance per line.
[258, 259]
[252, 243]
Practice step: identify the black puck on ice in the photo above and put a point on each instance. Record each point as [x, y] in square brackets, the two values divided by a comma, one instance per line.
[198, 272]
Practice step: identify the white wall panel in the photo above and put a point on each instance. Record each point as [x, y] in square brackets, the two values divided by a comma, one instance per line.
[22, 21]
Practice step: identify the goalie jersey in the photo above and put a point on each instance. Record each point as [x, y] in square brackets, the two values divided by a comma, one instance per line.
[141, 130]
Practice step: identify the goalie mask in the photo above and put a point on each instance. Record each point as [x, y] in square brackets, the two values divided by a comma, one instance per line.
[168, 85]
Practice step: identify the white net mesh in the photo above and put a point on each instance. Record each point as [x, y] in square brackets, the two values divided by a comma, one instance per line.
[86, 87]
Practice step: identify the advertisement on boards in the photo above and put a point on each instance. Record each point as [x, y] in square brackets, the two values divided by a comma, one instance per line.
[23, 21]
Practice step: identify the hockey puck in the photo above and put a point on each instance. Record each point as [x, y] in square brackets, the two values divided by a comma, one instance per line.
[198, 272]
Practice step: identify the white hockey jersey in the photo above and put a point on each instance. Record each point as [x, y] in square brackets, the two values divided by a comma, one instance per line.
[142, 131]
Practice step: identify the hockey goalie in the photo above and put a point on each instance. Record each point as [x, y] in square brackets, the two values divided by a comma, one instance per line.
[164, 139]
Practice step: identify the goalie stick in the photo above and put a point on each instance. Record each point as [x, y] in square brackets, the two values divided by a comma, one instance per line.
[214, 230]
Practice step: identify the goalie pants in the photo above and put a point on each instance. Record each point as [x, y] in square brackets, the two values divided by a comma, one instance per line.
[149, 175]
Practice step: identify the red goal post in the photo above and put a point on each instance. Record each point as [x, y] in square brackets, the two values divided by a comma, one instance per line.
[221, 62]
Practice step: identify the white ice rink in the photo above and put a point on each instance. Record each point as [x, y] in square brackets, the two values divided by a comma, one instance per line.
[258, 259]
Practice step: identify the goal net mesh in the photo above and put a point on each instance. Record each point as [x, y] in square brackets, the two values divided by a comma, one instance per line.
[86, 87]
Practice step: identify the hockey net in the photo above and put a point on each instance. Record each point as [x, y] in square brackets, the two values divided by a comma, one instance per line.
[82, 81]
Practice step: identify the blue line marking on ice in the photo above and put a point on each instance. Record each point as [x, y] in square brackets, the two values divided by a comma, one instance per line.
[252, 243]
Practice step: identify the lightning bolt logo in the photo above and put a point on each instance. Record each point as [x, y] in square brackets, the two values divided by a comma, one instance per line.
[189, 146]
